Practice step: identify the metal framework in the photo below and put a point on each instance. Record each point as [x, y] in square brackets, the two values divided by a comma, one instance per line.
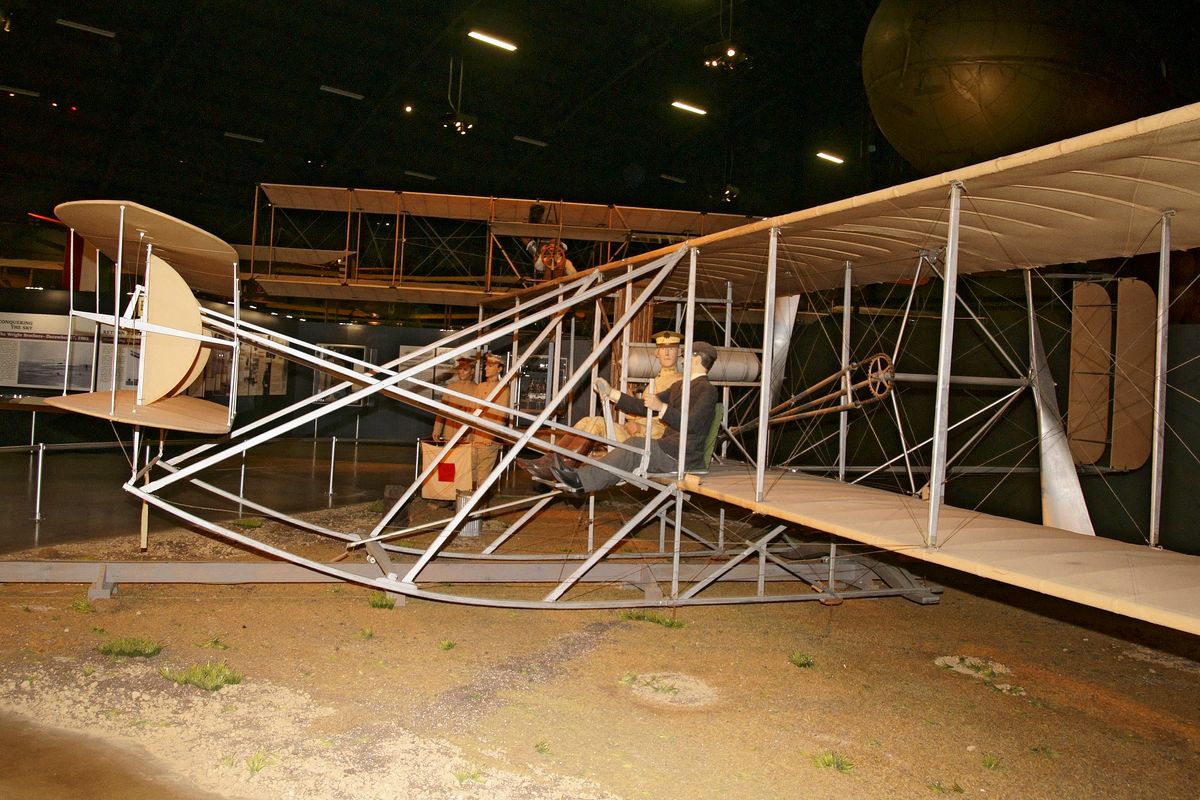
[698, 558]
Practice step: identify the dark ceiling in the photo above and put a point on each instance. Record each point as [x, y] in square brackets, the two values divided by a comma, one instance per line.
[146, 114]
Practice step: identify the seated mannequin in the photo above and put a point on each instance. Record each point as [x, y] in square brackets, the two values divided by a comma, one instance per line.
[667, 352]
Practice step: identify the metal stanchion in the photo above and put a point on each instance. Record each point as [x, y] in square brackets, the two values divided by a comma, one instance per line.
[332, 461]
[37, 507]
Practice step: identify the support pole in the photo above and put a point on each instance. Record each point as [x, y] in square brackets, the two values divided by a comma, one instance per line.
[1160, 379]
[725, 391]
[937, 475]
[844, 417]
[689, 340]
[332, 461]
[37, 505]
[764, 391]
[116, 309]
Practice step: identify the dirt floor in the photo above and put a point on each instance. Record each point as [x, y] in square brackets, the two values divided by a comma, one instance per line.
[993, 692]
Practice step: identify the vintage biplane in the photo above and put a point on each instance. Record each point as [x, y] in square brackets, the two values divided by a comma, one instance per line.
[1116, 193]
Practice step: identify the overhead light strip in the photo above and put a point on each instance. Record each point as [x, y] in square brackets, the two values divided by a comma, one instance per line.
[688, 107]
[341, 92]
[832, 158]
[672, 178]
[527, 140]
[79, 26]
[241, 137]
[492, 40]
[420, 175]
[15, 90]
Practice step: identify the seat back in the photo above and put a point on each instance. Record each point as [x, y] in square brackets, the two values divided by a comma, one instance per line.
[711, 441]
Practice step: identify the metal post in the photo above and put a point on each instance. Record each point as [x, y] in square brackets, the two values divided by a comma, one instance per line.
[844, 417]
[332, 461]
[725, 390]
[254, 228]
[1160, 379]
[571, 370]
[33, 427]
[145, 522]
[116, 309]
[689, 339]
[145, 334]
[937, 474]
[591, 522]
[70, 312]
[37, 505]
[768, 340]
[396, 241]
[242, 484]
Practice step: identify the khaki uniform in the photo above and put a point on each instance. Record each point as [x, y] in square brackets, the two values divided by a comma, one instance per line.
[485, 447]
[444, 427]
[665, 379]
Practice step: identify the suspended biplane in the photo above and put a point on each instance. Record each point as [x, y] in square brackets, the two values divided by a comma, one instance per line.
[1120, 192]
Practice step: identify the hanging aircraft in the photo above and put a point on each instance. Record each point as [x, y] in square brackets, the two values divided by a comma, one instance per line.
[1120, 192]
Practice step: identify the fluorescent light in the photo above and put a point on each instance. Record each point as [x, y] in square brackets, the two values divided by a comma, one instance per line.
[241, 137]
[79, 26]
[14, 90]
[671, 178]
[341, 92]
[828, 157]
[492, 40]
[685, 107]
[527, 140]
[420, 175]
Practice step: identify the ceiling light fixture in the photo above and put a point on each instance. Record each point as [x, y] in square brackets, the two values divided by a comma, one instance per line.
[79, 26]
[672, 178]
[831, 158]
[726, 55]
[527, 140]
[12, 91]
[241, 137]
[408, 109]
[341, 92]
[729, 194]
[423, 176]
[688, 107]
[455, 119]
[492, 40]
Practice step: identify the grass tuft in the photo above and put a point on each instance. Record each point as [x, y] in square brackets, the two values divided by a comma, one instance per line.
[130, 647]
[464, 775]
[256, 762]
[82, 605]
[991, 761]
[249, 522]
[542, 747]
[381, 600]
[379, 506]
[447, 644]
[213, 643]
[209, 677]
[801, 660]
[835, 760]
[366, 634]
[638, 615]
[938, 788]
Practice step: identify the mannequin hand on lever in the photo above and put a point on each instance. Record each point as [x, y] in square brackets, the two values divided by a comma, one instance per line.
[653, 403]
[605, 390]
